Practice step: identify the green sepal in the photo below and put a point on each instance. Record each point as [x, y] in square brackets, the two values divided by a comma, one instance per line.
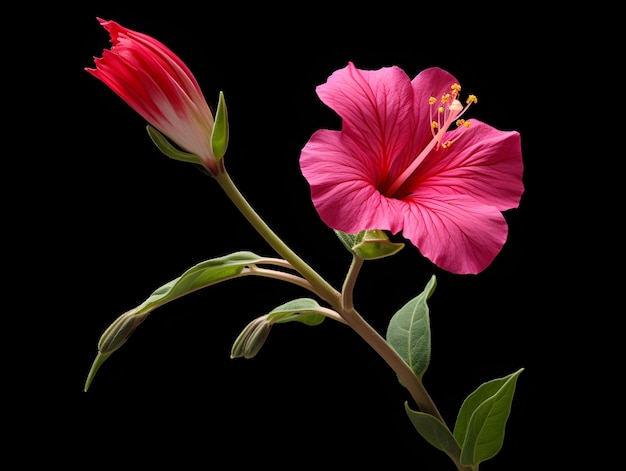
[434, 432]
[219, 135]
[199, 276]
[408, 331]
[482, 419]
[305, 310]
[169, 150]
[370, 244]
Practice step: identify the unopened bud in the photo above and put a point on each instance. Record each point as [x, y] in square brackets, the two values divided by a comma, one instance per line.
[119, 331]
[251, 339]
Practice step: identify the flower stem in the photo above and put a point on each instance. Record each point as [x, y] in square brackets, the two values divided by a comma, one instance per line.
[380, 345]
[347, 301]
[321, 286]
[341, 303]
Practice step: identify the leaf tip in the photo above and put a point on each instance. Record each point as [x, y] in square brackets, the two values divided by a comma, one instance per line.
[95, 366]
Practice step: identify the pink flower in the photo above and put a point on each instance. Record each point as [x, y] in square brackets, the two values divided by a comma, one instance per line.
[160, 87]
[404, 160]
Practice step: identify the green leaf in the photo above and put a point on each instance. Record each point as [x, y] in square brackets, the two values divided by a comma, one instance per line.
[199, 276]
[370, 244]
[434, 432]
[482, 419]
[219, 135]
[169, 150]
[408, 331]
[305, 310]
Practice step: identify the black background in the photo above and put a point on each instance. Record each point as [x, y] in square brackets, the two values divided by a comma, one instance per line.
[115, 219]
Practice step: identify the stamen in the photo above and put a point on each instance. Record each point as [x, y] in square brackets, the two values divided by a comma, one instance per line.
[449, 110]
[459, 122]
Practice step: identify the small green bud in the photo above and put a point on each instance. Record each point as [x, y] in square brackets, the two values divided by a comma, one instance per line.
[251, 339]
[119, 331]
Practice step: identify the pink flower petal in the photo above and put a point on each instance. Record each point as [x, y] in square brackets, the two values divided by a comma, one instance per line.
[342, 187]
[455, 232]
[376, 108]
[483, 163]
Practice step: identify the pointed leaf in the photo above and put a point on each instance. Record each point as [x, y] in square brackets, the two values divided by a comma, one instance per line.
[434, 432]
[95, 366]
[199, 276]
[482, 419]
[169, 150]
[408, 331]
[219, 135]
[303, 310]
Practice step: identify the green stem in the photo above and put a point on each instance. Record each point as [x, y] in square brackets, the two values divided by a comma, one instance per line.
[348, 284]
[321, 286]
[380, 345]
[335, 299]
[395, 361]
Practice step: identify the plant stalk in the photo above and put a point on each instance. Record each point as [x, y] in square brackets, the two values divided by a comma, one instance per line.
[335, 299]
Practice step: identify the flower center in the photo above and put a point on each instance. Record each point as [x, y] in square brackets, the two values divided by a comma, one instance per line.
[443, 113]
